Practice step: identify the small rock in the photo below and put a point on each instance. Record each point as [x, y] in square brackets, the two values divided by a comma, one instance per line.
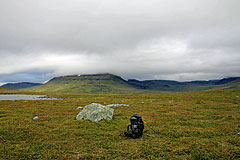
[36, 118]
[118, 105]
[79, 107]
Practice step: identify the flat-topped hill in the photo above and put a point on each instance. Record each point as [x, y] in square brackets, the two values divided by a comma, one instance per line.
[93, 77]
[92, 83]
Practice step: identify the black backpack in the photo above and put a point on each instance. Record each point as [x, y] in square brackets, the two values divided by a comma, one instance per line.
[135, 129]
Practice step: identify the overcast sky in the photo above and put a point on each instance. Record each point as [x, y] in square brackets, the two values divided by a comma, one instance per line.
[143, 39]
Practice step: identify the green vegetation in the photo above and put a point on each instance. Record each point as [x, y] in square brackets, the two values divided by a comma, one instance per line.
[101, 83]
[7, 90]
[112, 84]
[196, 125]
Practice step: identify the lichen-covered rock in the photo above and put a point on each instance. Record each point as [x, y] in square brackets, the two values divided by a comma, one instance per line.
[95, 112]
[101, 113]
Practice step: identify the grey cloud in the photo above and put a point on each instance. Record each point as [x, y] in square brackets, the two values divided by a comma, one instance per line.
[104, 26]
[178, 39]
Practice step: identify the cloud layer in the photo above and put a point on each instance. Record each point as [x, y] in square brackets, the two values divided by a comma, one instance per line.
[155, 39]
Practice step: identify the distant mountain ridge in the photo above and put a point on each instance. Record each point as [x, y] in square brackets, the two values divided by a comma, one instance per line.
[20, 85]
[169, 84]
[109, 83]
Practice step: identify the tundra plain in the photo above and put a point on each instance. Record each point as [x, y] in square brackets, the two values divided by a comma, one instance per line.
[193, 125]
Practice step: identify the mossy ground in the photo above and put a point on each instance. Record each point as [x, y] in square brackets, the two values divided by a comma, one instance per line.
[195, 125]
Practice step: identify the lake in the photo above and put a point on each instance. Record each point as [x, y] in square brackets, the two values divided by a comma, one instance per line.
[24, 97]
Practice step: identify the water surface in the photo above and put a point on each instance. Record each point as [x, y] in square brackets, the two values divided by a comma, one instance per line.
[24, 97]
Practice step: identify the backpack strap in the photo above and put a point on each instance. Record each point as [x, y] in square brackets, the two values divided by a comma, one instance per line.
[129, 131]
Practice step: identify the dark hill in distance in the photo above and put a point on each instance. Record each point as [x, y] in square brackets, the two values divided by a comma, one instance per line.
[112, 84]
[20, 85]
[175, 86]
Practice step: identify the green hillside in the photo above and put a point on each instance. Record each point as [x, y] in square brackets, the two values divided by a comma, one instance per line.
[6, 90]
[97, 83]
[228, 85]
[112, 84]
